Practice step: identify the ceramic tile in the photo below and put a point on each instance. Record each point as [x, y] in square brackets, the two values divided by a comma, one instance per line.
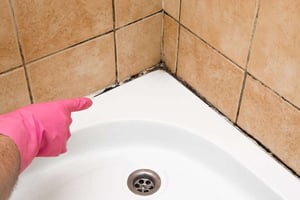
[210, 74]
[272, 121]
[170, 40]
[275, 54]
[9, 50]
[138, 46]
[128, 11]
[49, 26]
[172, 7]
[225, 25]
[13, 90]
[78, 71]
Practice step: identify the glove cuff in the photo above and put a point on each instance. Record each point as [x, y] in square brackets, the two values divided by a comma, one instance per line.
[16, 128]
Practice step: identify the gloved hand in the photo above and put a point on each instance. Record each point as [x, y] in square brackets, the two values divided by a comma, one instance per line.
[41, 129]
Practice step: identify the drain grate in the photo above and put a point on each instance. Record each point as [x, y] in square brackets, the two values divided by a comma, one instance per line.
[143, 182]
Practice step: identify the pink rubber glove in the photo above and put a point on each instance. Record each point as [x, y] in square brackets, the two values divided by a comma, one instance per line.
[41, 129]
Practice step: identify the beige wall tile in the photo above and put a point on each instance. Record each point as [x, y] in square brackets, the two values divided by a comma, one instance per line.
[226, 25]
[48, 26]
[275, 56]
[75, 72]
[138, 46]
[272, 121]
[13, 90]
[172, 7]
[209, 73]
[128, 11]
[9, 51]
[170, 40]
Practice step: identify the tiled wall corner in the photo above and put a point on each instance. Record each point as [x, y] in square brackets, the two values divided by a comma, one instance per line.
[138, 46]
[212, 76]
[275, 56]
[226, 25]
[13, 90]
[74, 72]
[128, 11]
[272, 121]
[170, 40]
[172, 7]
[46, 27]
[9, 50]
[221, 43]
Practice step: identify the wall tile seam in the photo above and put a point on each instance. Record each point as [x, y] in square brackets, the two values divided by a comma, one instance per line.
[274, 92]
[140, 19]
[11, 69]
[248, 59]
[162, 35]
[162, 53]
[68, 47]
[115, 42]
[178, 37]
[21, 50]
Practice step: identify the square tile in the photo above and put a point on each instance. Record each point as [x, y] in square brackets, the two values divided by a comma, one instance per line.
[13, 90]
[210, 74]
[275, 54]
[49, 26]
[226, 25]
[170, 40]
[128, 11]
[139, 46]
[9, 50]
[77, 71]
[272, 121]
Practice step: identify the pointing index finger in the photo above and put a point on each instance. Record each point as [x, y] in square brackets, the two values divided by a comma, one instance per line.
[77, 104]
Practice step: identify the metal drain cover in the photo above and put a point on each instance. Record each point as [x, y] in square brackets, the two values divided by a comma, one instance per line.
[143, 182]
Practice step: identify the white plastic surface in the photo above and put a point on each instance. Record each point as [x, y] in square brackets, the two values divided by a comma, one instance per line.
[154, 122]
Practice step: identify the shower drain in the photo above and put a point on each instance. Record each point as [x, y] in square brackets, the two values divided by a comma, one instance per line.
[143, 182]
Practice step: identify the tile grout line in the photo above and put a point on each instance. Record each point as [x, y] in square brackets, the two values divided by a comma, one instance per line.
[21, 51]
[273, 91]
[178, 36]
[162, 42]
[11, 69]
[247, 62]
[69, 47]
[115, 42]
[138, 20]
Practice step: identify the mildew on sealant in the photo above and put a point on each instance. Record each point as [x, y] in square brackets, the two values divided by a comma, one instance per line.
[162, 66]
[151, 69]
[234, 124]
